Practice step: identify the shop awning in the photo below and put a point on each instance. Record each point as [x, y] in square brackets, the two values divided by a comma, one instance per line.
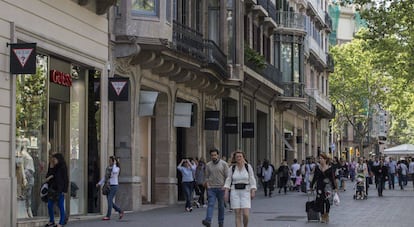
[286, 143]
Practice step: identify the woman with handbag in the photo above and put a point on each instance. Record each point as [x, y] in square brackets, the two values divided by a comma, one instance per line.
[242, 182]
[58, 181]
[111, 179]
[324, 178]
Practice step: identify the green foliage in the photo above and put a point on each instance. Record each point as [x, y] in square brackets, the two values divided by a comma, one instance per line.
[31, 101]
[356, 86]
[390, 35]
[254, 57]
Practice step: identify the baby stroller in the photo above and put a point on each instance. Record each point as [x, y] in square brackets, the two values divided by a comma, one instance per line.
[360, 187]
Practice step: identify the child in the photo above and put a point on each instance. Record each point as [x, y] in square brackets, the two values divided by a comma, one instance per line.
[298, 180]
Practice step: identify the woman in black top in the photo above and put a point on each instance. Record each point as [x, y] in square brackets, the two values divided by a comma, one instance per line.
[324, 178]
[381, 175]
[57, 178]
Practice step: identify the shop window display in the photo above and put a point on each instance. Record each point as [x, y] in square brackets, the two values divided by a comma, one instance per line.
[54, 113]
[31, 142]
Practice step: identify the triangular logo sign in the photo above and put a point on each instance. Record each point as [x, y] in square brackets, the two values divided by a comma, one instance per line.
[118, 86]
[23, 55]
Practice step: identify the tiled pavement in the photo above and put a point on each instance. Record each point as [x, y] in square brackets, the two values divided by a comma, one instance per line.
[395, 208]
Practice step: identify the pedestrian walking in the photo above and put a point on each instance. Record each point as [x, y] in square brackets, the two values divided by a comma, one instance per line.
[187, 169]
[259, 174]
[392, 168]
[381, 175]
[283, 173]
[216, 174]
[362, 168]
[58, 183]
[268, 177]
[411, 170]
[200, 179]
[111, 178]
[402, 170]
[324, 178]
[294, 170]
[242, 182]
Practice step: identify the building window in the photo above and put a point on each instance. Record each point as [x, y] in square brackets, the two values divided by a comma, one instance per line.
[144, 7]
[288, 54]
[32, 146]
[213, 21]
[168, 11]
[296, 63]
[286, 62]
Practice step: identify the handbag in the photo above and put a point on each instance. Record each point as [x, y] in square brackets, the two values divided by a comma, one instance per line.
[53, 194]
[239, 186]
[336, 200]
[106, 188]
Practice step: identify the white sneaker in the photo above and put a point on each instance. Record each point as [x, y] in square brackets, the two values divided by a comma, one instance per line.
[205, 206]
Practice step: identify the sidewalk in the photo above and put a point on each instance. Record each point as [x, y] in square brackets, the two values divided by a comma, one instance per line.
[394, 209]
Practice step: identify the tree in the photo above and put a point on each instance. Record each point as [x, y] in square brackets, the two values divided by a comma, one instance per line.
[390, 34]
[31, 100]
[356, 87]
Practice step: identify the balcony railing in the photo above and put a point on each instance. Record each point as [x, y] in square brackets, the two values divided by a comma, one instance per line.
[314, 46]
[293, 89]
[269, 72]
[322, 100]
[310, 103]
[269, 7]
[188, 41]
[215, 57]
[290, 20]
[317, 6]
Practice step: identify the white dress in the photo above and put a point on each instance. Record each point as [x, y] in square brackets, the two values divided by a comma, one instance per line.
[240, 198]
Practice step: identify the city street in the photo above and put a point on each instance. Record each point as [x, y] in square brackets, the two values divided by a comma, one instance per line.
[393, 209]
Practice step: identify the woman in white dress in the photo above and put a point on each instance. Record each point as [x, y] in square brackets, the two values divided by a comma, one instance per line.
[242, 183]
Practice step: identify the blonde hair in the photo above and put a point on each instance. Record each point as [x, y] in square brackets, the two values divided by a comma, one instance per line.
[233, 158]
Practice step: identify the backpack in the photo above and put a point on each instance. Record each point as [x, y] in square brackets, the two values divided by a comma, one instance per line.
[233, 167]
[285, 171]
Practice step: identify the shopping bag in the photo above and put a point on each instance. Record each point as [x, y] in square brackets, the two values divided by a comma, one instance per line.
[336, 199]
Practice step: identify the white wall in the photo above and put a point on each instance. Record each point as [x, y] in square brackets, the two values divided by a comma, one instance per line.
[60, 27]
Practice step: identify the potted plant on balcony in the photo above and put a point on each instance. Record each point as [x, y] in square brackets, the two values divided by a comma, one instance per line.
[253, 58]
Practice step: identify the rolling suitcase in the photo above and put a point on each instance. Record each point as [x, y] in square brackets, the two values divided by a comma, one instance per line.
[313, 215]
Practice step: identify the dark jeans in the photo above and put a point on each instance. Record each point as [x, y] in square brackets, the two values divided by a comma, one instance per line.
[402, 179]
[188, 193]
[268, 185]
[212, 195]
[110, 199]
[61, 205]
[201, 197]
[391, 180]
[380, 185]
[282, 183]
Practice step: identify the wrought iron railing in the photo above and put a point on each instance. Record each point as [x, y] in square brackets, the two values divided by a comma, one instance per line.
[311, 103]
[188, 41]
[293, 89]
[269, 72]
[215, 57]
[269, 7]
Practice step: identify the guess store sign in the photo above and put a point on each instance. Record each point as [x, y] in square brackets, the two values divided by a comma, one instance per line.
[57, 77]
